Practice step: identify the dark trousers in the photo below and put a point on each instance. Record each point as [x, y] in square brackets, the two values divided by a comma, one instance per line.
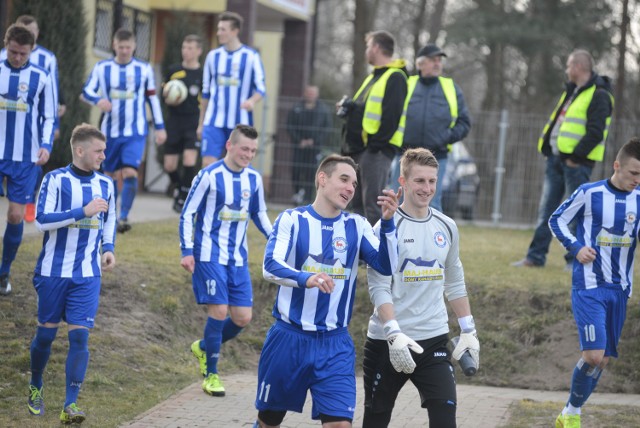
[305, 163]
[373, 175]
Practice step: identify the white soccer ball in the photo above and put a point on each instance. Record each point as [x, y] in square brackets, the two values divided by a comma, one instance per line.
[174, 92]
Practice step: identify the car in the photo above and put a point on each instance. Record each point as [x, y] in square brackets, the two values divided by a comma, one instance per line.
[461, 183]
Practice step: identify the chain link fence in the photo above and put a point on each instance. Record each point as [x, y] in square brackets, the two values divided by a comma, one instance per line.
[508, 164]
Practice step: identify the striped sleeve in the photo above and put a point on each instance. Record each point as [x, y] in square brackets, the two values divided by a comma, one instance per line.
[563, 215]
[197, 194]
[275, 267]
[152, 98]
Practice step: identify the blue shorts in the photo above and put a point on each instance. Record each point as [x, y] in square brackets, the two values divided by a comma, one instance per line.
[124, 151]
[600, 314]
[22, 178]
[214, 140]
[74, 300]
[215, 284]
[293, 362]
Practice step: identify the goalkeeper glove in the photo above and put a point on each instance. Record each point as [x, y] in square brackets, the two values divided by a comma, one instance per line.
[399, 346]
[468, 342]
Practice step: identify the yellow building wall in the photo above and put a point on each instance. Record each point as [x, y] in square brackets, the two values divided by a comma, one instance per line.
[268, 43]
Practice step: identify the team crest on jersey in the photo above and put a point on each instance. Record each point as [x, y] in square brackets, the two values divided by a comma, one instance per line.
[439, 239]
[246, 194]
[339, 245]
[23, 87]
[631, 217]
[194, 90]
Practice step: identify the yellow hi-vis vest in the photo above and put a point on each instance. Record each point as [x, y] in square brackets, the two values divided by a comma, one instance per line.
[574, 126]
[449, 90]
[373, 106]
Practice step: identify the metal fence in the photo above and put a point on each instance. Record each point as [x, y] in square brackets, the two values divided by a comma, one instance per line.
[503, 145]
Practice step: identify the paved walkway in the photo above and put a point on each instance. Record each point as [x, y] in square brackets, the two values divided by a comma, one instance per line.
[479, 406]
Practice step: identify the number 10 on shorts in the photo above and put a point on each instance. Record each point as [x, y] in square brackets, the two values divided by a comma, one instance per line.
[589, 333]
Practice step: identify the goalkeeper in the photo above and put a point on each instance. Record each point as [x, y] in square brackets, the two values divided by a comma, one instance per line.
[408, 331]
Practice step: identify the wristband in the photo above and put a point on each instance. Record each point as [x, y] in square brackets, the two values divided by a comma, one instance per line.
[390, 327]
[467, 324]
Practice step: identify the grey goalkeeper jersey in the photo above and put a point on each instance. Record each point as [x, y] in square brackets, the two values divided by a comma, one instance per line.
[429, 269]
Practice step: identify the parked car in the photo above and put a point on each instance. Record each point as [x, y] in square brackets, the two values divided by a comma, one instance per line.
[460, 184]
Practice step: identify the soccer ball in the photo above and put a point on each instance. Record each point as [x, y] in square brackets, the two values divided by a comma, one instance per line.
[174, 92]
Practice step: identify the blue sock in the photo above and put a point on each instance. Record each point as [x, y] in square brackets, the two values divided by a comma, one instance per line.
[213, 341]
[77, 361]
[230, 330]
[129, 189]
[580, 384]
[10, 243]
[595, 377]
[40, 351]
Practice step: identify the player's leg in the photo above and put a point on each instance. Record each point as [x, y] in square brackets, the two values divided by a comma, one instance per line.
[333, 386]
[240, 302]
[131, 157]
[381, 384]
[171, 149]
[284, 373]
[589, 311]
[81, 308]
[209, 282]
[51, 292]
[213, 142]
[434, 378]
[189, 171]
[21, 182]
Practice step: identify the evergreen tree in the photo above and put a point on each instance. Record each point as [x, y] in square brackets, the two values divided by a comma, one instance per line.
[63, 29]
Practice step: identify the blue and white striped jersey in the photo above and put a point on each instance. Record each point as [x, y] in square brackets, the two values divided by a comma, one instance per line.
[222, 201]
[607, 221]
[46, 59]
[72, 243]
[27, 112]
[229, 79]
[127, 87]
[303, 244]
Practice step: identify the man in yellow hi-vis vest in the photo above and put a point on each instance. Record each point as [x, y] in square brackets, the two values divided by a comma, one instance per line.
[370, 135]
[572, 141]
[435, 114]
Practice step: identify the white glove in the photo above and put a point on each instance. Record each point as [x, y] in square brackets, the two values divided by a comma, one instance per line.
[468, 341]
[399, 345]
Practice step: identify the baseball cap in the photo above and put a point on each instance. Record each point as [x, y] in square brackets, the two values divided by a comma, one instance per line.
[430, 51]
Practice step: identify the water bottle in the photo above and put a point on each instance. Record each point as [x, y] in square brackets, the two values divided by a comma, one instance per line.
[466, 362]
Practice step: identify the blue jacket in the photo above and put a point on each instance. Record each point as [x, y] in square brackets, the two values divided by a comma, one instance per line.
[429, 117]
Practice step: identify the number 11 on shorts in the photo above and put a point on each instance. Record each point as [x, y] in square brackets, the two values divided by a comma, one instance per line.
[264, 389]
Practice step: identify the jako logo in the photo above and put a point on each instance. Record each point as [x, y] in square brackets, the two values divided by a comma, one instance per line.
[406, 241]
[325, 227]
[439, 354]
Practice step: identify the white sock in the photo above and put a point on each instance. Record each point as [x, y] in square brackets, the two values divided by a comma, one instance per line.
[570, 410]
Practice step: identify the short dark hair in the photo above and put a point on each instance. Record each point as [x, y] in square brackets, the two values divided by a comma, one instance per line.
[630, 150]
[84, 133]
[246, 130]
[123, 34]
[418, 156]
[193, 38]
[384, 39]
[235, 19]
[18, 33]
[329, 164]
[26, 20]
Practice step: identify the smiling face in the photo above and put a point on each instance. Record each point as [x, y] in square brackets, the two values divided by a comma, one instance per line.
[336, 188]
[240, 152]
[226, 32]
[419, 187]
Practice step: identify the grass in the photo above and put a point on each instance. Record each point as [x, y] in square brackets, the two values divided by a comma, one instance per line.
[148, 319]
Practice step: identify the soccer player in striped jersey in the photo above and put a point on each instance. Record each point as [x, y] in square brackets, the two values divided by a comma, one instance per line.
[410, 312]
[27, 112]
[313, 254]
[47, 60]
[76, 211]
[607, 224]
[223, 197]
[233, 82]
[120, 87]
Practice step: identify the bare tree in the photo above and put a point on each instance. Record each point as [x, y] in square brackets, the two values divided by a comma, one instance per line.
[622, 50]
[365, 15]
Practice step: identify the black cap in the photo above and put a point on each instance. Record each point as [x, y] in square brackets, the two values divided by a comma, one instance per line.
[430, 51]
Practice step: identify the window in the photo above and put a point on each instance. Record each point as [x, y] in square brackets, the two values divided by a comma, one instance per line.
[133, 19]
